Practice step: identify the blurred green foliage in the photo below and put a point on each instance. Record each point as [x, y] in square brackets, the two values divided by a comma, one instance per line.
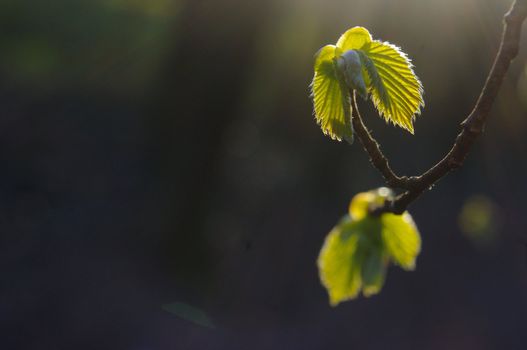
[358, 250]
[111, 45]
[478, 220]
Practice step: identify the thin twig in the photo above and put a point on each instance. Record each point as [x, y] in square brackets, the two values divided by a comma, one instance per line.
[472, 126]
[372, 147]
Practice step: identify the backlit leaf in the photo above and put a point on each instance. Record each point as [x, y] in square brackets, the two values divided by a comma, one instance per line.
[360, 204]
[352, 259]
[339, 267]
[384, 72]
[356, 253]
[354, 39]
[395, 90]
[331, 100]
[401, 239]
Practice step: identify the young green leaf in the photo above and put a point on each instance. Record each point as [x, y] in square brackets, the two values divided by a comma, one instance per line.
[353, 259]
[355, 38]
[331, 101]
[357, 251]
[385, 73]
[401, 239]
[373, 272]
[338, 263]
[396, 91]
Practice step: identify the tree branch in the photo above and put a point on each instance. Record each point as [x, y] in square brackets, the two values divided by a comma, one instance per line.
[372, 147]
[472, 126]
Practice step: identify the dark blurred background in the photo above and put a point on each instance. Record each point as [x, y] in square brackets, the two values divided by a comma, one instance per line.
[162, 151]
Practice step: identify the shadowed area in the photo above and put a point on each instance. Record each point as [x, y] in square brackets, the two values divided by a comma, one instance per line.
[163, 172]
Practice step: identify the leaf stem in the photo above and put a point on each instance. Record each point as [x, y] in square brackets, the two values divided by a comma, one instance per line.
[372, 147]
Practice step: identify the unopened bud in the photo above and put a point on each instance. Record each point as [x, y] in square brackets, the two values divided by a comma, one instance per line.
[350, 67]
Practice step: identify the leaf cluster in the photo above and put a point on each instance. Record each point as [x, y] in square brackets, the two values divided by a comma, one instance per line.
[373, 68]
[357, 252]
